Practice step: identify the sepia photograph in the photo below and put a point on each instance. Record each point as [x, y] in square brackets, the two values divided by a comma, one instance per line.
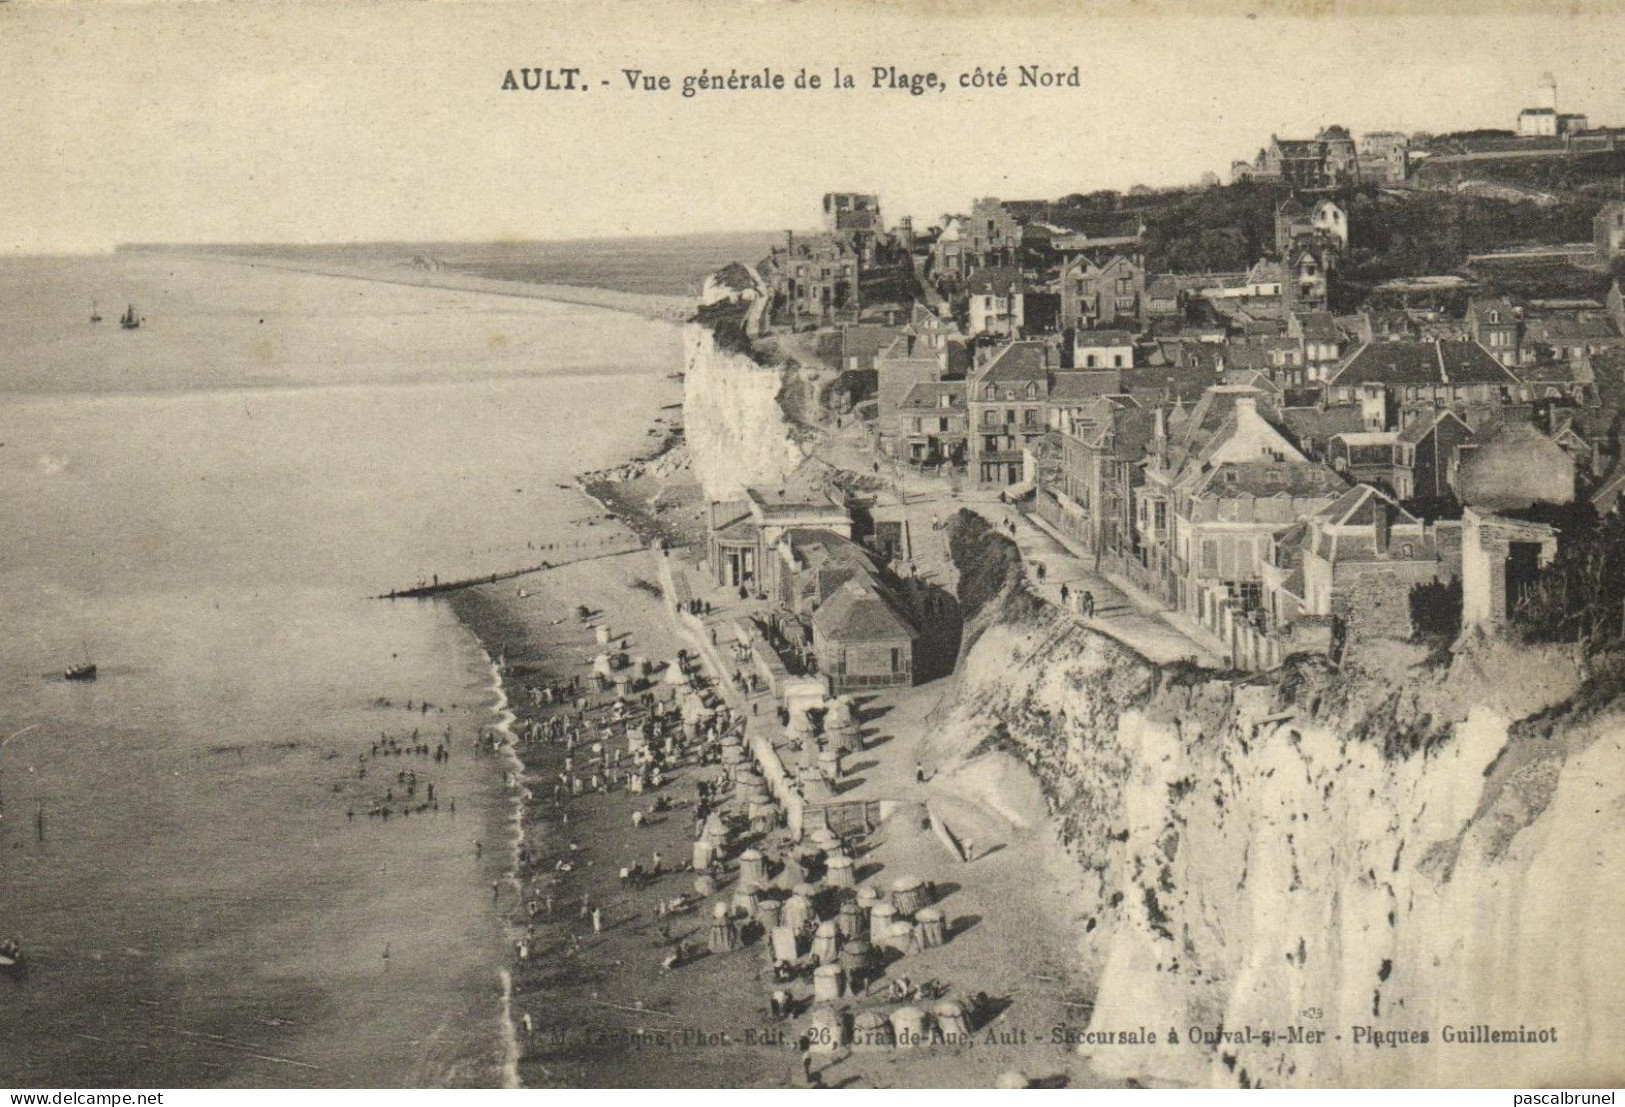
[740, 544]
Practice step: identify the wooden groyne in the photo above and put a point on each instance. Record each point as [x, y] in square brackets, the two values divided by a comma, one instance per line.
[442, 587]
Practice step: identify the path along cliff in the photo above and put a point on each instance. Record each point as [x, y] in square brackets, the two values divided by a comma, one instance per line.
[1370, 855]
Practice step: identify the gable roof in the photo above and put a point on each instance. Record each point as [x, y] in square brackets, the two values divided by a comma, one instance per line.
[1019, 361]
[860, 612]
[1417, 363]
[1079, 386]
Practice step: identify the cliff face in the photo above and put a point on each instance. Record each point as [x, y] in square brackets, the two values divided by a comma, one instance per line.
[1317, 849]
[736, 431]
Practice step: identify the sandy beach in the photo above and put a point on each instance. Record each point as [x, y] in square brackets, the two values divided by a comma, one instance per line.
[603, 1011]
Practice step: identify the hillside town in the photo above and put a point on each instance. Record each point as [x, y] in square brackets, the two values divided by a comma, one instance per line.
[1277, 459]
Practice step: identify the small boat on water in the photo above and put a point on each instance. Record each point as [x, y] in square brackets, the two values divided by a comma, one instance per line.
[11, 956]
[83, 671]
[129, 320]
[95, 312]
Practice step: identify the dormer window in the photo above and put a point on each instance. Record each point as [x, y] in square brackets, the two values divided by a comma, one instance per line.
[1230, 476]
[1032, 390]
[990, 393]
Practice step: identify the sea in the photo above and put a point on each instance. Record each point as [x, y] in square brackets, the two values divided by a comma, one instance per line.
[202, 506]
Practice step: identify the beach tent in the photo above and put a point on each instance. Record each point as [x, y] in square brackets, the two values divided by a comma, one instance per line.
[752, 867]
[852, 920]
[951, 1021]
[871, 1030]
[838, 871]
[930, 930]
[798, 913]
[829, 983]
[856, 958]
[825, 1029]
[746, 897]
[908, 895]
[909, 1026]
[767, 913]
[724, 934]
[826, 943]
[784, 944]
[704, 853]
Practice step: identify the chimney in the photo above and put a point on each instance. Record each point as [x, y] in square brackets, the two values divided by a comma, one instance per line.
[790, 242]
[1380, 525]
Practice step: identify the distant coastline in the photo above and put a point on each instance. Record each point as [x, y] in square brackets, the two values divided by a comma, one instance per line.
[662, 308]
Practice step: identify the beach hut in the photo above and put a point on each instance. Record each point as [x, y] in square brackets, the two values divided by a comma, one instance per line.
[798, 913]
[784, 944]
[601, 634]
[841, 725]
[825, 1029]
[852, 921]
[909, 1027]
[881, 918]
[838, 872]
[826, 943]
[704, 885]
[829, 983]
[931, 931]
[767, 913]
[810, 893]
[871, 1030]
[908, 895]
[952, 1023]
[704, 853]
[603, 666]
[724, 934]
[716, 831]
[752, 867]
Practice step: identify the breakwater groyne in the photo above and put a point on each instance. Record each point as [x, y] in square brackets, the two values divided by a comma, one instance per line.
[437, 587]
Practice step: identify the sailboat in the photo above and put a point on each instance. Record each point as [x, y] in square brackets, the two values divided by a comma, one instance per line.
[129, 320]
[95, 312]
[84, 670]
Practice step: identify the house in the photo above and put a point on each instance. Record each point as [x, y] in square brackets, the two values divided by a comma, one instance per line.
[991, 236]
[1308, 266]
[862, 640]
[1569, 336]
[1365, 456]
[1513, 467]
[1381, 375]
[1608, 232]
[1320, 342]
[812, 563]
[1501, 557]
[1007, 398]
[817, 277]
[743, 534]
[1102, 350]
[1162, 297]
[932, 424]
[1073, 390]
[1358, 560]
[1324, 222]
[1425, 455]
[853, 219]
[1103, 291]
[1102, 445]
[922, 353]
[1496, 323]
[1384, 156]
[948, 252]
[995, 306]
[1224, 493]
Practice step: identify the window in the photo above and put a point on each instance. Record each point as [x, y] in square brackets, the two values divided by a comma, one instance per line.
[942, 426]
[1117, 361]
[990, 418]
[1125, 286]
[1230, 476]
[990, 393]
[1210, 555]
[1032, 390]
[917, 424]
[1009, 415]
[896, 660]
[1089, 361]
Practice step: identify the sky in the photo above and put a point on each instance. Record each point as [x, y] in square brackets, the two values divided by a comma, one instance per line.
[322, 122]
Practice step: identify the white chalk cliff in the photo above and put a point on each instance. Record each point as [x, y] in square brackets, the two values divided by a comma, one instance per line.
[736, 431]
[1320, 849]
